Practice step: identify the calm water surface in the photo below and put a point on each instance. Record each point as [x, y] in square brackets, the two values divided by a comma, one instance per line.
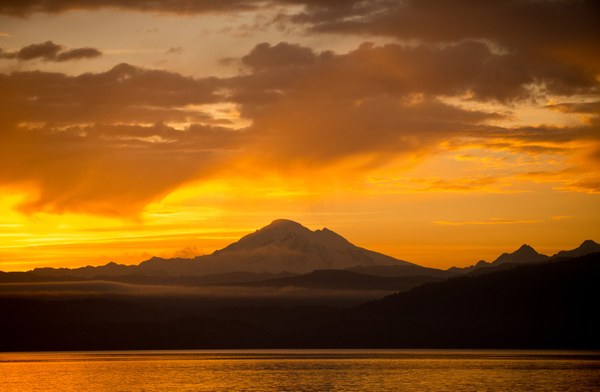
[301, 370]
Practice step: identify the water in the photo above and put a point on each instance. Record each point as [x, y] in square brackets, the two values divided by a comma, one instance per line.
[301, 370]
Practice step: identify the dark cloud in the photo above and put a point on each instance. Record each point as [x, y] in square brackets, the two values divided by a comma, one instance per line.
[265, 56]
[381, 102]
[123, 94]
[326, 9]
[547, 28]
[579, 144]
[27, 7]
[49, 51]
[464, 68]
[377, 101]
[79, 53]
[562, 33]
[512, 23]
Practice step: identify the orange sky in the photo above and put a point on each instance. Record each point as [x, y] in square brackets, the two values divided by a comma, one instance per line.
[436, 132]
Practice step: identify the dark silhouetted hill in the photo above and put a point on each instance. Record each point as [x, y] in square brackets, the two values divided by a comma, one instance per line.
[549, 305]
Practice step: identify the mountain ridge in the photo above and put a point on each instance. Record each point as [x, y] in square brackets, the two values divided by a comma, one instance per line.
[533, 306]
[586, 247]
[526, 254]
[281, 246]
[286, 246]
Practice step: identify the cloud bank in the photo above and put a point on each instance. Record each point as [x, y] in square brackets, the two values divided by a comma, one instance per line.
[110, 142]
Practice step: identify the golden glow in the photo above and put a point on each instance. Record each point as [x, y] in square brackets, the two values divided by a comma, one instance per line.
[433, 221]
[440, 153]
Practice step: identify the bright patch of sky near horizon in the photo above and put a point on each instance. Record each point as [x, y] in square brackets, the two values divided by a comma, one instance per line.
[441, 153]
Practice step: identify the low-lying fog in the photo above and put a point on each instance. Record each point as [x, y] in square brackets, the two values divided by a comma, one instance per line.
[101, 289]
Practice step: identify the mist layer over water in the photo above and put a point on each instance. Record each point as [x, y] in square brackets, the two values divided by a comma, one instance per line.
[301, 370]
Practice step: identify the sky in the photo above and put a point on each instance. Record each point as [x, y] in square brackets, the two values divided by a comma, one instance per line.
[433, 131]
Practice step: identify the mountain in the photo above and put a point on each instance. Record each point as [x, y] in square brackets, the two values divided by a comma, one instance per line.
[262, 264]
[287, 247]
[284, 246]
[586, 247]
[109, 269]
[525, 254]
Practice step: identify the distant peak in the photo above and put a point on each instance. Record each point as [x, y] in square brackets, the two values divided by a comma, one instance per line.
[275, 232]
[284, 222]
[586, 247]
[325, 230]
[284, 225]
[524, 254]
[526, 248]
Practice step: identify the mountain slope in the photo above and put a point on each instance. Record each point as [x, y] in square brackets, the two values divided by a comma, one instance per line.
[525, 254]
[586, 247]
[283, 245]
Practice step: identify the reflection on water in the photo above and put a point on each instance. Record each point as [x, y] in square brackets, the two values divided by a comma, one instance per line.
[301, 370]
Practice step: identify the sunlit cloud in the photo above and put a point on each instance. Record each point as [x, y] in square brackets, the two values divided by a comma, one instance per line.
[271, 117]
[324, 106]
